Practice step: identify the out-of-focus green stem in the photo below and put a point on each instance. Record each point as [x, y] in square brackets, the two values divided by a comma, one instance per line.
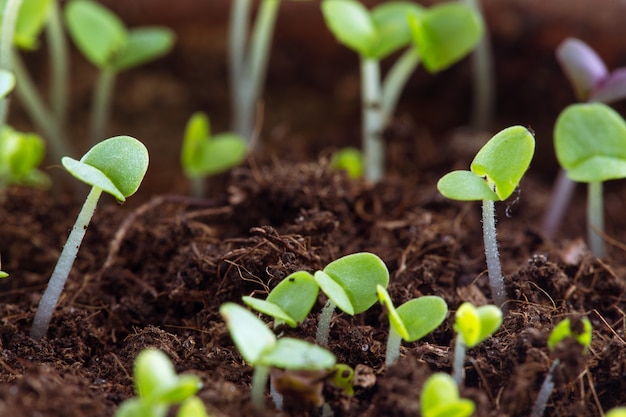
[7, 31]
[59, 63]
[396, 80]
[101, 105]
[595, 219]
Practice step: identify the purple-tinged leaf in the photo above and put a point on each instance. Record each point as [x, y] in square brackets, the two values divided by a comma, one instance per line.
[611, 88]
[582, 66]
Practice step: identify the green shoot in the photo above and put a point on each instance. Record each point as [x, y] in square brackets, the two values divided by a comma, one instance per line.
[350, 284]
[158, 387]
[20, 154]
[349, 160]
[473, 325]
[590, 144]
[494, 174]
[203, 154]
[117, 166]
[616, 412]
[2, 273]
[104, 40]
[411, 321]
[440, 398]
[290, 301]
[259, 347]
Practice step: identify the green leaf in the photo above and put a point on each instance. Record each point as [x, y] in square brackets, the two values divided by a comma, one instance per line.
[7, 83]
[392, 26]
[20, 154]
[590, 142]
[296, 354]
[185, 387]
[296, 295]
[349, 160]
[351, 24]
[116, 165]
[270, 309]
[335, 292]
[31, 19]
[564, 330]
[616, 412]
[143, 45]
[440, 398]
[153, 372]
[251, 336]
[465, 186]
[394, 318]
[475, 324]
[422, 315]
[98, 33]
[359, 274]
[3, 275]
[137, 407]
[445, 33]
[192, 407]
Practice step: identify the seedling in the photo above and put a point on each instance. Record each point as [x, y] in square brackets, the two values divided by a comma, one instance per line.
[350, 284]
[590, 144]
[472, 325]
[349, 160]
[20, 154]
[494, 174]
[440, 398]
[203, 154]
[117, 166]
[260, 348]
[104, 40]
[158, 387]
[443, 34]
[411, 321]
[290, 301]
[2, 273]
[616, 412]
[581, 332]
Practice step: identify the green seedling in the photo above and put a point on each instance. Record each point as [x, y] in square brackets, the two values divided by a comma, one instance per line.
[411, 321]
[2, 273]
[116, 166]
[349, 160]
[290, 301]
[350, 284]
[616, 412]
[20, 155]
[7, 83]
[590, 144]
[259, 347]
[440, 398]
[442, 35]
[494, 174]
[472, 325]
[158, 387]
[579, 330]
[203, 154]
[104, 40]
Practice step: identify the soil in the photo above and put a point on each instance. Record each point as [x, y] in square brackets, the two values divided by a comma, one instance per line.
[154, 271]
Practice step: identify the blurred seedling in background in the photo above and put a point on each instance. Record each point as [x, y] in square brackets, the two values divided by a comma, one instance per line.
[349, 160]
[494, 174]
[440, 398]
[20, 155]
[472, 325]
[203, 155]
[411, 321]
[116, 166]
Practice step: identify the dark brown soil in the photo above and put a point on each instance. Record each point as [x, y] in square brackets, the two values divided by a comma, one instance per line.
[155, 271]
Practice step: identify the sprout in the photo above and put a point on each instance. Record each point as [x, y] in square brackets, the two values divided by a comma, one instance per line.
[158, 387]
[117, 166]
[104, 40]
[440, 398]
[495, 173]
[349, 160]
[590, 144]
[473, 325]
[411, 321]
[290, 301]
[579, 330]
[20, 154]
[260, 348]
[616, 412]
[350, 284]
[203, 154]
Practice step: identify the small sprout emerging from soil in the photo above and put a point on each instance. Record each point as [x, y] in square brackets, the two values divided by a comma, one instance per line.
[7, 83]
[472, 325]
[411, 321]
[290, 301]
[259, 347]
[440, 398]
[117, 166]
[350, 284]
[616, 412]
[579, 330]
[590, 144]
[20, 154]
[494, 174]
[203, 154]
[158, 387]
[350, 160]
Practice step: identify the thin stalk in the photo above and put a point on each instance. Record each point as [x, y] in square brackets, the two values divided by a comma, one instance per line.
[323, 323]
[394, 340]
[373, 149]
[459, 360]
[197, 187]
[7, 31]
[561, 197]
[259, 382]
[64, 264]
[494, 269]
[396, 80]
[101, 104]
[595, 219]
[59, 63]
[237, 35]
[544, 393]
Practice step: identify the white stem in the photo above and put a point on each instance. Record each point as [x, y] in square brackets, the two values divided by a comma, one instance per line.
[59, 63]
[496, 280]
[561, 196]
[459, 360]
[64, 264]
[373, 148]
[323, 323]
[595, 219]
[544, 393]
[394, 340]
[259, 382]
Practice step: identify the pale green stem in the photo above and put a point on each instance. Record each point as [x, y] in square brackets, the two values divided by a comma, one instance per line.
[259, 382]
[7, 31]
[63, 267]
[59, 63]
[237, 35]
[595, 219]
[197, 187]
[323, 324]
[458, 371]
[394, 340]
[560, 199]
[396, 80]
[373, 148]
[494, 269]
[545, 391]
[101, 105]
